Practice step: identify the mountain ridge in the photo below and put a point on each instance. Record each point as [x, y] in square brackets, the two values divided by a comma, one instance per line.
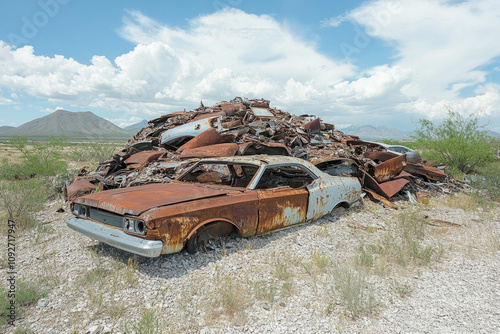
[72, 124]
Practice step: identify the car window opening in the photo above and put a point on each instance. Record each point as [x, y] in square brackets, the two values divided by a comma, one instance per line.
[283, 176]
[221, 174]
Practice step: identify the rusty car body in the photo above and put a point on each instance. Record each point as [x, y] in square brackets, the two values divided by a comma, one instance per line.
[250, 195]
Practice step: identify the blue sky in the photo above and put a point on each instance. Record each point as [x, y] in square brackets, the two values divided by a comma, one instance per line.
[348, 62]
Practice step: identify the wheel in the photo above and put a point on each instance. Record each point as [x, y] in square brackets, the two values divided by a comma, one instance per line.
[208, 235]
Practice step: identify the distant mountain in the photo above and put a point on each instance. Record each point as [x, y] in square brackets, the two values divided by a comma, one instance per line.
[369, 132]
[5, 128]
[82, 124]
[493, 134]
[137, 126]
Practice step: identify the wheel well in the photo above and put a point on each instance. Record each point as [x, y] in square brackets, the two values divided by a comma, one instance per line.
[344, 205]
[223, 224]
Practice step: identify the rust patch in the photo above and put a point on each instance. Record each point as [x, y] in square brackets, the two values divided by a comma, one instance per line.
[218, 150]
[379, 156]
[207, 137]
[142, 158]
[281, 207]
[313, 125]
[430, 172]
[79, 188]
[390, 168]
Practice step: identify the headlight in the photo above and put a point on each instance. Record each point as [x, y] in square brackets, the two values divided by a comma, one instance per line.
[133, 225]
[80, 210]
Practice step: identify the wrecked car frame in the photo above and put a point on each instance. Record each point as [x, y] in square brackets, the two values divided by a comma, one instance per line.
[249, 195]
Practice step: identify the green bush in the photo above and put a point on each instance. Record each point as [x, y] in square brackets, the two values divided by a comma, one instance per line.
[21, 199]
[491, 181]
[458, 141]
[43, 158]
[147, 324]
[26, 294]
[93, 153]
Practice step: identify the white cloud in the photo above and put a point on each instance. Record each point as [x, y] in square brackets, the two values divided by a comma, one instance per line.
[444, 43]
[441, 48]
[5, 101]
[124, 122]
[221, 55]
[49, 110]
[334, 21]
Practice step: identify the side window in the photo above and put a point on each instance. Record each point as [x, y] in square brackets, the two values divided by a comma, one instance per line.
[283, 176]
[396, 149]
[243, 175]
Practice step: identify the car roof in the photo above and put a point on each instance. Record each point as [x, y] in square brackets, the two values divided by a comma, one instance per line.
[264, 160]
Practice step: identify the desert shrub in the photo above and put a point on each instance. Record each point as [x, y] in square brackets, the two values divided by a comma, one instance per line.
[356, 294]
[93, 153]
[489, 179]
[148, 323]
[458, 141]
[26, 294]
[43, 158]
[21, 199]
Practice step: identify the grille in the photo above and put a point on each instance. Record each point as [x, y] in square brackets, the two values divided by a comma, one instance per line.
[106, 217]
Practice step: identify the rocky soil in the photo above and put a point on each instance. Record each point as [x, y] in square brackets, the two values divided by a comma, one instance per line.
[366, 270]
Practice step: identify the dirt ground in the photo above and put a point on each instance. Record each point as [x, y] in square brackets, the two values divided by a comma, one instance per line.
[418, 269]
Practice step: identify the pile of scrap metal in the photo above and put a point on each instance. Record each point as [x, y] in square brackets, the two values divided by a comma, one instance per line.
[160, 151]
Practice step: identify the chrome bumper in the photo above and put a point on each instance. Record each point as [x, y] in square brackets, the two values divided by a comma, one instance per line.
[116, 237]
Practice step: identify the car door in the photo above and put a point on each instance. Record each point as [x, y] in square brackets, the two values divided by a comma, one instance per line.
[324, 194]
[283, 200]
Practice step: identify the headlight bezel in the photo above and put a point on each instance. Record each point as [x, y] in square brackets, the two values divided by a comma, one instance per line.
[134, 225]
[80, 210]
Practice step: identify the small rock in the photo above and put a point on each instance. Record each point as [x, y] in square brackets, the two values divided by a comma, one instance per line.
[94, 329]
[266, 306]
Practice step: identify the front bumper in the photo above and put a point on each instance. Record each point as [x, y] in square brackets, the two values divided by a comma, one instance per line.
[116, 237]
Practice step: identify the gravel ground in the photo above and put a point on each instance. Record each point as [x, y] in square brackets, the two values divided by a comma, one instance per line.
[290, 281]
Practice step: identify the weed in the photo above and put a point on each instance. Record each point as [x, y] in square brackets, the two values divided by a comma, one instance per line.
[115, 311]
[148, 323]
[321, 261]
[27, 294]
[286, 289]
[265, 290]
[231, 295]
[402, 289]
[131, 269]
[95, 299]
[364, 259]
[23, 330]
[281, 270]
[356, 293]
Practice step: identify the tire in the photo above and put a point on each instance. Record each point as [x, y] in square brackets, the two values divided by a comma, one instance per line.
[208, 234]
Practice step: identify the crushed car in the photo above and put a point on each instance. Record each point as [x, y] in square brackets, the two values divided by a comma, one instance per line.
[249, 195]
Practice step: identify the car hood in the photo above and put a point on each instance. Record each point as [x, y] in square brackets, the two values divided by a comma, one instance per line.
[136, 200]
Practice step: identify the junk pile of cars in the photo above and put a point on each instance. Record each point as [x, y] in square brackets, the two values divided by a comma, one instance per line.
[161, 151]
[189, 178]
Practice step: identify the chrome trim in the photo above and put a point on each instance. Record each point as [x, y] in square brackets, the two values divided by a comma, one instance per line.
[116, 237]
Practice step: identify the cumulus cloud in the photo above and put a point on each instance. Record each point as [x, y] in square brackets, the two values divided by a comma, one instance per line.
[221, 55]
[444, 43]
[441, 48]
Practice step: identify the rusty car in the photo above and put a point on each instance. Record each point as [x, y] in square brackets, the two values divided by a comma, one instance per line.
[249, 195]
